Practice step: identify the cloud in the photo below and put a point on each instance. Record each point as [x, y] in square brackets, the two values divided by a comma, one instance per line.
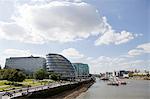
[110, 36]
[145, 47]
[72, 53]
[140, 49]
[12, 53]
[15, 53]
[105, 63]
[62, 21]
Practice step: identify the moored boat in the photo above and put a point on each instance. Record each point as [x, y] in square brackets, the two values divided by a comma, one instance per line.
[104, 78]
[113, 83]
[116, 81]
[123, 82]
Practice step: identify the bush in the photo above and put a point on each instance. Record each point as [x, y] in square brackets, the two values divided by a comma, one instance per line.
[12, 75]
[40, 74]
[55, 76]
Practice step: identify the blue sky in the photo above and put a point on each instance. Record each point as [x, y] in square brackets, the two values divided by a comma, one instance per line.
[106, 34]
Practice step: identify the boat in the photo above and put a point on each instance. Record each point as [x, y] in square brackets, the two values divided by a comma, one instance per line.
[113, 83]
[121, 81]
[113, 80]
[104, 78]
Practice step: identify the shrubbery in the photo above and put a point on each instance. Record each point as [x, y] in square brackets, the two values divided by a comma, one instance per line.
[54, 76]
[40, 74]
[12, 75]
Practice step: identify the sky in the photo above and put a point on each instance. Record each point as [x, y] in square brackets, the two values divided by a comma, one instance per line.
[107, 35]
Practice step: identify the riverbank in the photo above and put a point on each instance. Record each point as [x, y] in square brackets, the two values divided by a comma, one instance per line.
[139, 78]
[72, 94]
[58, 91]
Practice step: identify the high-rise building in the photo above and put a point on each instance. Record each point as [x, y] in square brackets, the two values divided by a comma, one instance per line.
[82, 70]
[59, 64]
[28, 64]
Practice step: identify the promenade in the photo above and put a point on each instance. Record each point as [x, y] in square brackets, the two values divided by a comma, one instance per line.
[24, 91]
[30, 90]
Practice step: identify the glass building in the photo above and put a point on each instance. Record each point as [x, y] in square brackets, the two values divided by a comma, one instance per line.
[27, 64]
[59, 64]
[82, 70]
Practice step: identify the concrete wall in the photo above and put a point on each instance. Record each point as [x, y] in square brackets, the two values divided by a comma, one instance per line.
[54, 91]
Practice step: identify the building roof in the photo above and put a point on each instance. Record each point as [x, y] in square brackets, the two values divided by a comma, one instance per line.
[23, 57]
[80, 63]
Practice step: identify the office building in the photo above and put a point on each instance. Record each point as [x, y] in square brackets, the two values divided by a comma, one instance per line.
[59, 64]
[27, 64]
[82, 70]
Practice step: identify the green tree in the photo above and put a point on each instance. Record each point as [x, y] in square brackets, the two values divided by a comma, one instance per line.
[55, 76]
[130, 74]
[40, 74]
[16, 76]
[12, 75]
[1, 74]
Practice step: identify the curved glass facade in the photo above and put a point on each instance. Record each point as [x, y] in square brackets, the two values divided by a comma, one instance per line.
[59, 64]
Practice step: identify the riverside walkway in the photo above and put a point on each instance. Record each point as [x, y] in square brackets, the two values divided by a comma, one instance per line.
[25, 91]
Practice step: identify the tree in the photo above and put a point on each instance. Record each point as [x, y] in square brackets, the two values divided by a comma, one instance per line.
[130, 74]
[55, 76]
[12, 75]
[40, 74]
[16, 76]
[1, 74]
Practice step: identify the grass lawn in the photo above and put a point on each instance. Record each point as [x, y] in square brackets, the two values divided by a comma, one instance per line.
[2, 82]
[25, 83]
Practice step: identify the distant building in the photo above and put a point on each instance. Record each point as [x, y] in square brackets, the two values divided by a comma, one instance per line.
[59, 64]
[28, 64]
[82, 70]
[122, 73]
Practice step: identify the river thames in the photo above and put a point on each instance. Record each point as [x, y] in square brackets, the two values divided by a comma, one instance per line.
[135, 89]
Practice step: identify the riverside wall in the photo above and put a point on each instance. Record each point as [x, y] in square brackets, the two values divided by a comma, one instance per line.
[55, 90]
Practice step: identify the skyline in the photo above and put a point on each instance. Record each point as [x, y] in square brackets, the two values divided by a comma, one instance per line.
[107, 34]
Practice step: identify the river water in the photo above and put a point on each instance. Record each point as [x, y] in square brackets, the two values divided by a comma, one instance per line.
[135, 89]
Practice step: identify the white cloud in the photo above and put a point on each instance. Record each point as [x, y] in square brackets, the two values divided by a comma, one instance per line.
[15, 53]
[110, 36]
[72, 53]
[61, 21]
[135, 52]
[145, 47]
[105, 63]
[140, 49]
[12, 53]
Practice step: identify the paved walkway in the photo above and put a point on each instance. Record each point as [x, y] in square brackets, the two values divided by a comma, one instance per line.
[19, 92]
[4, 86]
